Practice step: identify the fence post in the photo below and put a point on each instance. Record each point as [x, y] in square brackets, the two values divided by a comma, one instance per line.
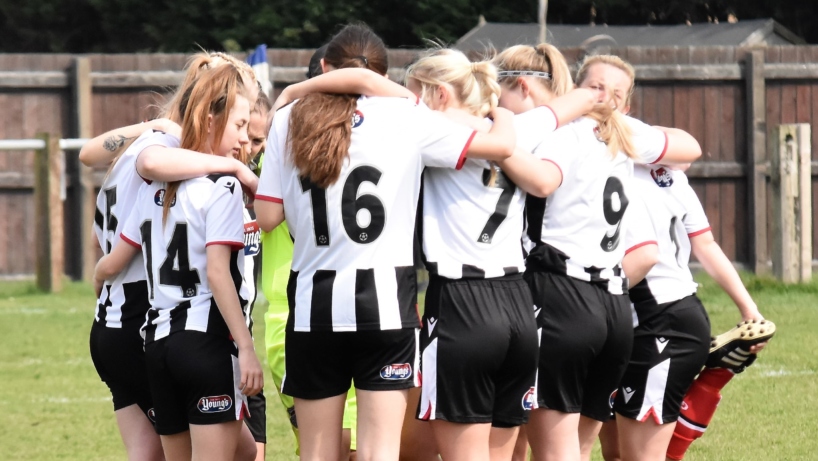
[792, 202]
[48, 214]
[756, 158]
[83, 197]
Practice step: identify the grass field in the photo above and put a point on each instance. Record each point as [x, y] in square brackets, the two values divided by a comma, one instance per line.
[53, 405]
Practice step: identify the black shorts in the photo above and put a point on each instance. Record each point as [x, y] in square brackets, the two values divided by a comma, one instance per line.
[479, 343]
[257, 421]
[119, 358]
[194, 379]
[586, 335]
[670, 346]
[321, 364]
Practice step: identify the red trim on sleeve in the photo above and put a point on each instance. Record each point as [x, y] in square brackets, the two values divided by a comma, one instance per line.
[462, 159]
[699, 232]
[664, 150]
[557, 119]
[562, 176]
[236, 245]
[640, 245]
[129, 241]
[417, 100]
[267, 198]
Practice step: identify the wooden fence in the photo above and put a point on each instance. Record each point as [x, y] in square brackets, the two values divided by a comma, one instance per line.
[729, 98]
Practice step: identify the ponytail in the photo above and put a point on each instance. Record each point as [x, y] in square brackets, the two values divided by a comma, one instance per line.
[320, 125]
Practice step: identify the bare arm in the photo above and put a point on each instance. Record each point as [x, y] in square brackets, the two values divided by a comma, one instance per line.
[268, 214]
[682, 147]
[227, 300]
[110, 265]
[168, 164]
[716, 263]
[352, 81]
[638, 261]
[572, 105]
[500, 142]
[536, 177]
[101, 151]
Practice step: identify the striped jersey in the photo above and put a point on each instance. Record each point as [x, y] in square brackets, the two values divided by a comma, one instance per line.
[577, 230]
[675, 215]
[473, 218]
[125, 297]
[252, 250]
[206, 211]
[353, 266]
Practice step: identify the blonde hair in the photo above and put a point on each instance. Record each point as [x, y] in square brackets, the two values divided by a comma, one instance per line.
[613, 129]
[474, 84]
[212, 94]
[541, 58]
[196, 66]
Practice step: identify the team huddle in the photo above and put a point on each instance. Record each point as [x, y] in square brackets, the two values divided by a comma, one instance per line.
[556, 231]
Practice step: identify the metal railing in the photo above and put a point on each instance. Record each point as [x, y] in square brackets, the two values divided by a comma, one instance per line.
[37, 144]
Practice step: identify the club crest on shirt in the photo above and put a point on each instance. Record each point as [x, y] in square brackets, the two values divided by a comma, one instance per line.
[252, 236]
[159, 198]
[215, 404]
[530, 399]
[662, 176]
[357, 119]
[396, 371]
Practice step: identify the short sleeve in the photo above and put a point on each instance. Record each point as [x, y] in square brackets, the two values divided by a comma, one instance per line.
[650, 143]
[442, 142]
[224, 221]
[269, 183]
[639, 229]
[150, 139]
[560, 148]
[533, 125]
[695, 219]
[130, 230]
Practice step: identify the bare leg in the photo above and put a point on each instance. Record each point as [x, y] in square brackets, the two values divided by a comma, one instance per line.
[501, 442]
[246, 446]
[380, 416]
[346, 442]
[215, 442]
[609, 440]
[177, 447]
[417, 442]
[462, 442]
[588, 432]
[140, 439]
[319, 427]
[645, 441]
[521, 447]
[261, 451]
[553, 435]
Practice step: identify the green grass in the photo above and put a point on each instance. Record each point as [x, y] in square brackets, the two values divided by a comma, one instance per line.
[54, 406]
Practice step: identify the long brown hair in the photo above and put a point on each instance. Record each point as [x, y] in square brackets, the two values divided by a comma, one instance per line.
[613, 129]
[213, 93]
[320, 128]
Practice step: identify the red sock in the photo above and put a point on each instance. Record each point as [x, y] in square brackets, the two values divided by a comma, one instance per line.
[698, 407]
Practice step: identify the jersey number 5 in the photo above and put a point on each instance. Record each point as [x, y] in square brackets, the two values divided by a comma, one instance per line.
[613, 215]
[351, 205]
[184, 277]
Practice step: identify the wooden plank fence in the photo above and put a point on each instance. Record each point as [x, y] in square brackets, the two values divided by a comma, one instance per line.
[729, 98]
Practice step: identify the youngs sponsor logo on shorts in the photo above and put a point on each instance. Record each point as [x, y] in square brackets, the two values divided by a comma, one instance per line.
[215, 404]
[530, 399]
[396, 372]
[152, 415]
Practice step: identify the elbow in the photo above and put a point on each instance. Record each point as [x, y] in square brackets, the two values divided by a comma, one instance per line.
[543, 189]
[146, 164]
[85, 156]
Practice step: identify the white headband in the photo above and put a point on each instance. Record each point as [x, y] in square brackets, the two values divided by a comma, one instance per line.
[523, 73]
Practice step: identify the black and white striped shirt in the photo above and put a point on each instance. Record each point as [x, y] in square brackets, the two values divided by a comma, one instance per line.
[124, 299]
[471, 227]
[579, 233]
[353, 265]
[206, 211]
